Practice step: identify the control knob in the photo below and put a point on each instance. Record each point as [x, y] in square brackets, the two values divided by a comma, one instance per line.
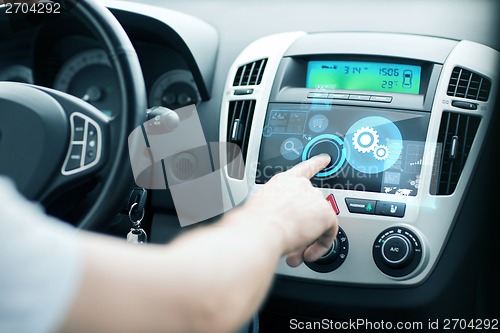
[334, 257]
[397, 251]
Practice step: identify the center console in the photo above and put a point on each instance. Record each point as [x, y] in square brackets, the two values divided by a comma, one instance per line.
[402, 117]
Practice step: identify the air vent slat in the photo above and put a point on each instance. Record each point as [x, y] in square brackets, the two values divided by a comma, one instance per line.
[465, 146]
[456, 136]
[466, 84]
[250, 74]
[238, 132]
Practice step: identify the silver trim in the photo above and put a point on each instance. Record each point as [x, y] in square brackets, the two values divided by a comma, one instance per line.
[84, 143]
[408, 249]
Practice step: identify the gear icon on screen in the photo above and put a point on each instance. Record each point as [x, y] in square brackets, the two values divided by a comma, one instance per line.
[381, 152]
[365, 139]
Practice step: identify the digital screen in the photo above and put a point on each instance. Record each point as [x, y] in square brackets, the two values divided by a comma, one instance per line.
[284, 121]
[356, 75]
[374, 150]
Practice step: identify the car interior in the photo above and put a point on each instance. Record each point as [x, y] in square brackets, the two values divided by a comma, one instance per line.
[401, 95]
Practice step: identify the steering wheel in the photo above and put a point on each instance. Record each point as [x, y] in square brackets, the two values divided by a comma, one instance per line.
[52, 142]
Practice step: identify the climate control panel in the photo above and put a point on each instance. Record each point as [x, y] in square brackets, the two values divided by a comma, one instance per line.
[397, 252]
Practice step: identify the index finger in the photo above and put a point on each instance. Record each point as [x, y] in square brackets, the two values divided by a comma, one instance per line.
[310, 167]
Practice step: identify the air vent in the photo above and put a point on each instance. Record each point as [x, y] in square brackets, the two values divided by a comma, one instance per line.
[238, 132]
[250, 74]
[456, 134]
[465, 84]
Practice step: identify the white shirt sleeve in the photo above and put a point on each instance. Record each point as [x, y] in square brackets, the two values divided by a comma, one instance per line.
[41, 266]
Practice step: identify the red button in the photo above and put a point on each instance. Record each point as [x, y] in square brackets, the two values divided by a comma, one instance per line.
[331, 200]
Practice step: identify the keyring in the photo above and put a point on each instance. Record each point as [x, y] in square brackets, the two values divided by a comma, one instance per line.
[138, 222]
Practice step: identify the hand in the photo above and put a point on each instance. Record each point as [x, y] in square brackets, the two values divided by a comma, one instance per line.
[300, 211]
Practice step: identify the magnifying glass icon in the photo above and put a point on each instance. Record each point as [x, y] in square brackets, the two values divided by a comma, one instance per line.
[290, 146]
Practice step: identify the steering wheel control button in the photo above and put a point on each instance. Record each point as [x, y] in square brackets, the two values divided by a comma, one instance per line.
[91, 154]
[335, 257]
[386, 208]
[333, 203]
[329, 144]
[75, 157]
[92, 144]
[85, 147]
[78, 127]
[361, 206]
[91, 132]
[397, 252]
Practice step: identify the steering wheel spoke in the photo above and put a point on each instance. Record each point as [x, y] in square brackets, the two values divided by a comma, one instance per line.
[88, 134]
[87, 147]
[54, 142]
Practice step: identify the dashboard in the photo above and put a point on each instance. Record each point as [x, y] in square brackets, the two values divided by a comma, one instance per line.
[71, 61]
[405, 115]
[401, 96]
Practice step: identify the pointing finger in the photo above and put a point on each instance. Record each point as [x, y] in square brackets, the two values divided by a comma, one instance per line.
[310, 167]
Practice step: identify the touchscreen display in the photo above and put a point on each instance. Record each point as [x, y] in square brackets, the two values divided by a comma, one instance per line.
[373, 150]
[356, 75]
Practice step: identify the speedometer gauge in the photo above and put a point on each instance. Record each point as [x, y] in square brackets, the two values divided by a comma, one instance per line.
[89, 76]
[174, 90]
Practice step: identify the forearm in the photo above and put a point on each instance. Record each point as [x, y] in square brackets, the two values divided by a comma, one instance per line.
[196, 283]
[212, 279]
[233, 264]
